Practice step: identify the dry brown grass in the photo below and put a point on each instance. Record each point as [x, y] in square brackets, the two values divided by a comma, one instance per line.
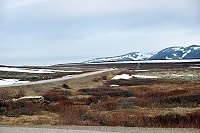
[45, 118]
[91, 101]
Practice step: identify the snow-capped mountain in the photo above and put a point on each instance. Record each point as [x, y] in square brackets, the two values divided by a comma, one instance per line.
[127, 57]
[191, 52]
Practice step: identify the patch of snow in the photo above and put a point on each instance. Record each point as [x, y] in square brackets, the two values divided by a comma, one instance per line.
[141, 70]
[11, 81]
[113, 85]
[122, 76]
[66, 71]
[29, 97]
[176, 48]
[177, 75]
[194, 67]
[174, 55]
[142, 56]
[168, 58]
[27, 70]
[195, 47]
[186, 53]
[189, 51]
[144, 76]
[69, 76]
[180, 75]
[182, 50]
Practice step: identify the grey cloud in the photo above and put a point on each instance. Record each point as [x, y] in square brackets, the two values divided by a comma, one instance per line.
[80, 8]
[77, 30]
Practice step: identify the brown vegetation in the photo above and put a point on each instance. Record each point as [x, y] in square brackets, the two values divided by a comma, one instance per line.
[135, 103]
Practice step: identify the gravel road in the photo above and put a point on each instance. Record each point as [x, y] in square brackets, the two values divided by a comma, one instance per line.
[77, 129]
[61, 79]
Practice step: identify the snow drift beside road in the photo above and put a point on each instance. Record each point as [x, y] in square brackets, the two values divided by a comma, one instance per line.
[27, 70]
[11, 81]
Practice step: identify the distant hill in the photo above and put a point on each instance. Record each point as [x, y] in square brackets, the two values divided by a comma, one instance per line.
[191, 52]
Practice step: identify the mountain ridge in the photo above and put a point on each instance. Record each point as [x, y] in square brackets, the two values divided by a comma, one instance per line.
[170, 53]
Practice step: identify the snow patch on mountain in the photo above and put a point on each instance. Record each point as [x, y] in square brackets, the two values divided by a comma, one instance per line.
[186, 53]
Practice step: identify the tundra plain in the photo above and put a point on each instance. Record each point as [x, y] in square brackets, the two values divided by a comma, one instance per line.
[154, 95]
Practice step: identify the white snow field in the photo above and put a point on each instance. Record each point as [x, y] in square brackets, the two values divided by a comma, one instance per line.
[27, 70]
[144, 76]
[127, 76]
[122, 76]
[11, 81]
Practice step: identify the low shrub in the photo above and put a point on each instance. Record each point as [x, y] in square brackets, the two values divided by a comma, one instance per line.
[96, 99]
[162, 94]
[116, 119]
[176, 92]
[60, 106]
[93, 91]
[121, 93]
[170, 120]
[104, 77]
[56, 95]
[152, 94]
[60, 92]
[20, 93]
[107, 91]
[65, 86]
[135, 81]
[106, 106]
[99, 79]
[74, 115]
[188, 100]
[15, 109]
[130, 101]
[174, 120]
[96, 79]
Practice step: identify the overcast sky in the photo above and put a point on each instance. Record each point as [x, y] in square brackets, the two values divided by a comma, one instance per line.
[47, 32]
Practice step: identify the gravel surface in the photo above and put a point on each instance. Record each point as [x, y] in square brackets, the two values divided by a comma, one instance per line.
[77, 129]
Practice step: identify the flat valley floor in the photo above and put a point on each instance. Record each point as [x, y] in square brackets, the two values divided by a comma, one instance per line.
[165, 95]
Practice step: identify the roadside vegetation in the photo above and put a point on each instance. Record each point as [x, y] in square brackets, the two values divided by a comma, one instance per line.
[135, 102]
